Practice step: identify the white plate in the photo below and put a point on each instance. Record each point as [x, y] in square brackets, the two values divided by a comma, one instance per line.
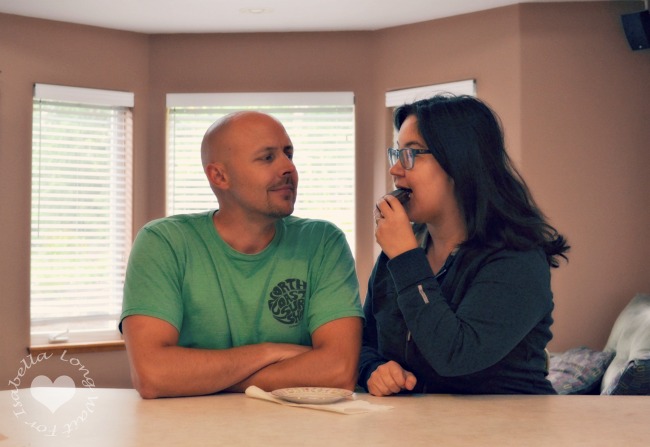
[312, 395]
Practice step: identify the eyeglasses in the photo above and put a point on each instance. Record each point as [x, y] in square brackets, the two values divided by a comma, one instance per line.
[406, 156]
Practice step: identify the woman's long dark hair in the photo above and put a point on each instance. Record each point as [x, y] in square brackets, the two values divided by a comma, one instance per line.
[466, 138]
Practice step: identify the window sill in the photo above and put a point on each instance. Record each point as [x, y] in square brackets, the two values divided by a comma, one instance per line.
[79, 348]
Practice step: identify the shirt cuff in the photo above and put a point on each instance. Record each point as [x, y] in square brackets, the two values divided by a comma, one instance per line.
[409, 268]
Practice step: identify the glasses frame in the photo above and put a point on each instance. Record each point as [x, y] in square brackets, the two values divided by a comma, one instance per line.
[406, 156]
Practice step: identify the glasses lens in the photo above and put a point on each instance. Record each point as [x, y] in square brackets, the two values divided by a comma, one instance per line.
[406, 156]
[393, 156]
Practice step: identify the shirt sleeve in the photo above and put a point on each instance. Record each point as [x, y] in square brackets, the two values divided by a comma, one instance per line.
[153, 282]
[336, 289]
[503, 302]
[370, 358]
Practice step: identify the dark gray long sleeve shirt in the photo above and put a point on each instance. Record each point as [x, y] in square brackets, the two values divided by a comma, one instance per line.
[481, 330]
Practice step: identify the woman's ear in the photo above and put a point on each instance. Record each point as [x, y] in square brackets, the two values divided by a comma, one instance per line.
[217, 175]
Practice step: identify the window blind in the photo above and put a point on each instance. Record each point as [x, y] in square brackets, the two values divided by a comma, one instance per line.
[320, 125]
[81, 209]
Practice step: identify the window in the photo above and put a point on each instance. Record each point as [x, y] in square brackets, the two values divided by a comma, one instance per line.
[320, 125]
[81, 211]
[406, 96]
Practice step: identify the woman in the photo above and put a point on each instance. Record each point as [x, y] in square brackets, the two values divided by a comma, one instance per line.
[460, 301]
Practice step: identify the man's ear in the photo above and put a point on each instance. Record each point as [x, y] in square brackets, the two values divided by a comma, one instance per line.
[217, 175]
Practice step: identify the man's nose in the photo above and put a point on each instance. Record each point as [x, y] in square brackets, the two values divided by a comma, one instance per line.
[288, 167]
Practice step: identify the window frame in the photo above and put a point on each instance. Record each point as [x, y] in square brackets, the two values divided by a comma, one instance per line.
[116, 107]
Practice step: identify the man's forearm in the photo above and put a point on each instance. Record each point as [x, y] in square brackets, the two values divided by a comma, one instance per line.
[332, 362]
[312, 368]
[177, 371]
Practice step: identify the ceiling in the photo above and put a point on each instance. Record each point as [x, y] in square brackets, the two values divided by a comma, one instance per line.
[228, 16]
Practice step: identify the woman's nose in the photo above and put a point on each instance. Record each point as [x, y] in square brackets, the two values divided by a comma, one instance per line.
[396, 169]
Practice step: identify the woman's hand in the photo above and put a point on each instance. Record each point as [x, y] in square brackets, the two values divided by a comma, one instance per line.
[390, 378]
[393, 232]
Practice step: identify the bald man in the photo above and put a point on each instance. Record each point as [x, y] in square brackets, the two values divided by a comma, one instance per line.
[247, 294]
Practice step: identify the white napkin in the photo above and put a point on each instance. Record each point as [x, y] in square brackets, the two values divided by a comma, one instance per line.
[343, 407]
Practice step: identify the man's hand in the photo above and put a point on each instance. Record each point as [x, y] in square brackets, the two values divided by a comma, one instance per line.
[390, 378]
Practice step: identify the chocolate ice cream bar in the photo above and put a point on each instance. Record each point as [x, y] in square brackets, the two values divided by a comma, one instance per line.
[402, 194]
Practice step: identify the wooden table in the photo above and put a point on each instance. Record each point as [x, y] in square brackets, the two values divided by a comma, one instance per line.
[119, 417]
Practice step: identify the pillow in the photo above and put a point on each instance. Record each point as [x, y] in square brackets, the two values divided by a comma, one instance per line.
[630, 341]
[578, 370]
[634, 379]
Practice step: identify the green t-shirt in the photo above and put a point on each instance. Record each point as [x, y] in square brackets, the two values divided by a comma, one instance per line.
[181, 271]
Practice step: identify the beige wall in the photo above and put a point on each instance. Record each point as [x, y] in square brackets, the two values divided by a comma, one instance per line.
[572, 97]
[585, 128]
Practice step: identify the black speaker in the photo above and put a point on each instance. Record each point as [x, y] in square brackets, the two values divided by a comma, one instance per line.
[637, 29]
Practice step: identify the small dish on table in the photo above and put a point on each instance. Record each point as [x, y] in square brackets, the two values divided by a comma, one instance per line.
[312, 395]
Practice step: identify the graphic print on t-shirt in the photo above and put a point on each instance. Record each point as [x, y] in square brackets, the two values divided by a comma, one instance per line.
[287, 303]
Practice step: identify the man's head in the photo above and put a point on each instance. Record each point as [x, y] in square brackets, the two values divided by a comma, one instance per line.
[247, 158]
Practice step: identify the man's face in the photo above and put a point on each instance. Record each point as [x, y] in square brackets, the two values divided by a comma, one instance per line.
[257, 157]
